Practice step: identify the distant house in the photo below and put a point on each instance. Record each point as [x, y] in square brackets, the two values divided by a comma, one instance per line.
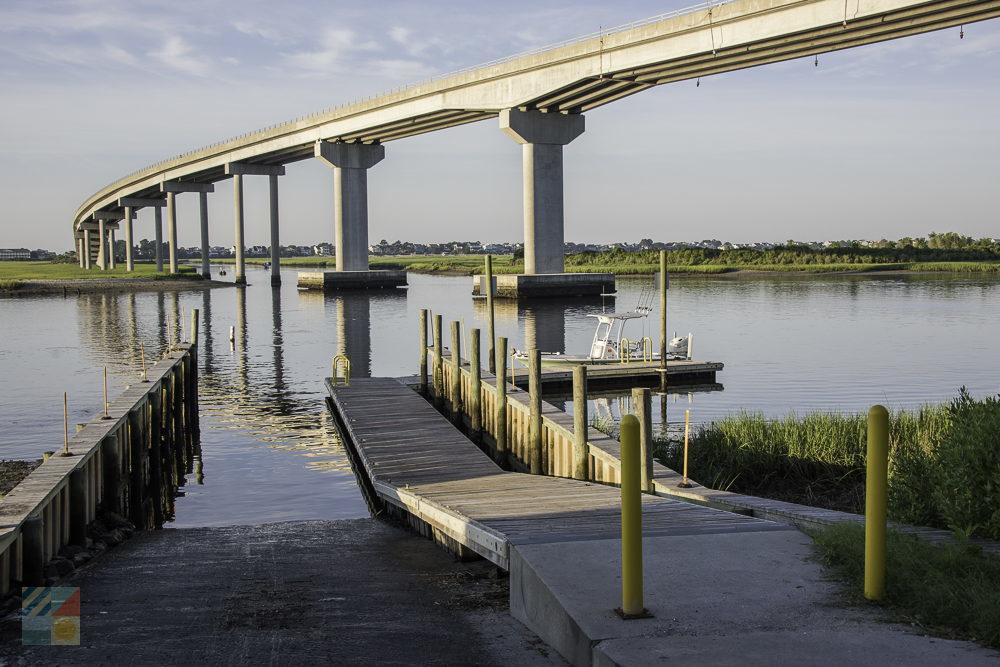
[323, 249]
[14, 254]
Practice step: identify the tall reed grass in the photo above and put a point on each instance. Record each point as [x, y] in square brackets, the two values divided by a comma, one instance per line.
[944, 462]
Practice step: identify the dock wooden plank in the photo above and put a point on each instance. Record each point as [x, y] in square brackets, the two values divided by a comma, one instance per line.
[417, 459]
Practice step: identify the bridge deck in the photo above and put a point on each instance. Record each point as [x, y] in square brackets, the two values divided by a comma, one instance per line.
[417, 460]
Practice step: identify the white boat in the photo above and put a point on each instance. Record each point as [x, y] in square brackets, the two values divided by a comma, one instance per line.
[611, 345]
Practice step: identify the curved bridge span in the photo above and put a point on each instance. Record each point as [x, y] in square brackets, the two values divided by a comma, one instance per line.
[540, 99]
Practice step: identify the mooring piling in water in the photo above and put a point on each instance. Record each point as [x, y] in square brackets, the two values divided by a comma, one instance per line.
[107, 405]
[535, 413]
[66, 419]
[876, 482]
[475, 386]
[423, 351]
[631, 492]
[580, 422]
[490, 313]
[456, 371]
[664, 284]
[642, 404]
[500, 430]
[438, 363]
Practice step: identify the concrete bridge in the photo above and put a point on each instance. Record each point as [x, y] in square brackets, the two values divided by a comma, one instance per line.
[540, 99]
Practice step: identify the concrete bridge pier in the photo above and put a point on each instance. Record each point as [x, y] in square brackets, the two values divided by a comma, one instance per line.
[238, 170]
[129, 260]
[158, 238]
[203, 215]
[111, 249]
[172, 188]
[131, 205]
[542, 137]
[350, 163]
[86, 249]
[102, 248]
[172, 231]
[79, 252]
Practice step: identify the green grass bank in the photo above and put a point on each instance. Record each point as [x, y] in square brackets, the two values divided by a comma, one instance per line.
[950, 590]
[944, 462]
[636, 264]
[14, 273]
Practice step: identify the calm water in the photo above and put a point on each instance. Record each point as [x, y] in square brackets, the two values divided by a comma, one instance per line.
[270, 452]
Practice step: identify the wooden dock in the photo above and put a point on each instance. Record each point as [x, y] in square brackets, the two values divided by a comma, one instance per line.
[618, 375]
[418, 462]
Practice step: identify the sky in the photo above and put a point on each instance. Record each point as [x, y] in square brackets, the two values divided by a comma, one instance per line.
[890, 140]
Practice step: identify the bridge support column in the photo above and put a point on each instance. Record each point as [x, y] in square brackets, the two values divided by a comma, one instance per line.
[542, 136]
[129, 260]
[241, 278]
[86, 249]
[158, 237]
[102, 246]
[350, 163]
[206, 272]
[172, 230]
[111, 249]
[79, 252]
[275, 244]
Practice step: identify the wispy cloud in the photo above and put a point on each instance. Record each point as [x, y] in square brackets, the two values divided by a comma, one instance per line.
[336, 46]
[176, 53]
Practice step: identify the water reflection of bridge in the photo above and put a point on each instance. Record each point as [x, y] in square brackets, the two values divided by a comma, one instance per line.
[245, 385]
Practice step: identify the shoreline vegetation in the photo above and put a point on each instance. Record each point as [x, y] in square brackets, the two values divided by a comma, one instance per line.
[37, 277]
[944, 462]
[696, 262]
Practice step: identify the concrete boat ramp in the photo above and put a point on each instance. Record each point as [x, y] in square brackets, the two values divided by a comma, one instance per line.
[723, 588]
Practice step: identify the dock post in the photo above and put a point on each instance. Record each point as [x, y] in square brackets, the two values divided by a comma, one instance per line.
[501, 372]
[876, 481]
[78, 507]
[456, 371]
[632, 606]
[423, 351]
[490, 313]
[642, 400]
[535, 418]
[580, 422]
[663, 320]
[113, 470]
[32, 552]
[438, 363]
[475, 386]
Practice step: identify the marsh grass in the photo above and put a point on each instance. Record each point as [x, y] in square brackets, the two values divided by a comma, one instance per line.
[19, 272]
[951, 590]
[621, 263]
[944, 462]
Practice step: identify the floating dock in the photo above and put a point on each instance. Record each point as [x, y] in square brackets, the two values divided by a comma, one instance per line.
[718, 584]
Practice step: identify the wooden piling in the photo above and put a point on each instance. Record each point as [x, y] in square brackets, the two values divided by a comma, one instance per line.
[490, 313]
[111, 460]
[580, 422]
[78, 507]
[642, 404]
[438, 363]
[501, 427]
[663, 320]
[535, 404]
[159, 402]
[475, 386]
[456, 371]
[423, 351]
[33, 552]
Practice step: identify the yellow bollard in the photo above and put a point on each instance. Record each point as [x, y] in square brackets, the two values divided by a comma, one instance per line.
[685, 484]
[631, 522]
[876, 492]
